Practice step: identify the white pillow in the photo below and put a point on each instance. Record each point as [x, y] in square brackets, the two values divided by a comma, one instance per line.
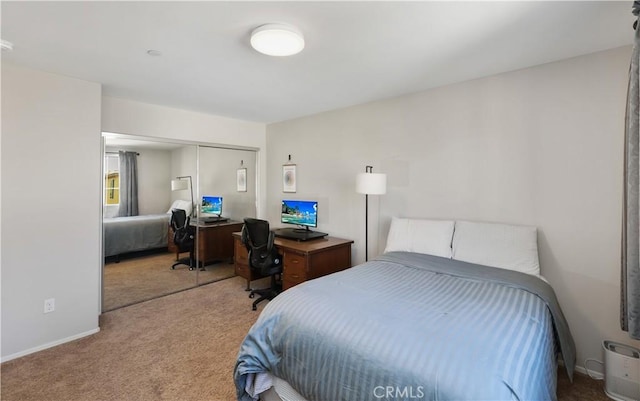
[181, 204]
[505, 246]
[432, 237]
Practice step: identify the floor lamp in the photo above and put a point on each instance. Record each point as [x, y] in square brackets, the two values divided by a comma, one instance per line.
[369, 183]
[180, 184]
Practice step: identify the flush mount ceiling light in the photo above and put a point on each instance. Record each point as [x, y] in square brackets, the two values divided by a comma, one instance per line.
[277, 40]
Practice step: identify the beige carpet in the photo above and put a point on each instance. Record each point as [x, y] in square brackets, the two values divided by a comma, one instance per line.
[147, 277]
[179, 347]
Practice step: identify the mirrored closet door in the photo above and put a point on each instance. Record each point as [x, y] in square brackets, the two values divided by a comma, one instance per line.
[137, 238]
[226, 195]
[147, 254]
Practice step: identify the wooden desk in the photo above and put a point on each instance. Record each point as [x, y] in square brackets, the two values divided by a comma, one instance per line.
[214, 241]
[302, 260]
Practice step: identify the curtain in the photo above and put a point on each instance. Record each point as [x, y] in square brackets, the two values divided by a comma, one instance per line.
[630, 277]
[128, 184]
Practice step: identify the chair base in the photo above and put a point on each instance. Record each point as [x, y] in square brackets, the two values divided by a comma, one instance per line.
[185, 261]
[266, 293]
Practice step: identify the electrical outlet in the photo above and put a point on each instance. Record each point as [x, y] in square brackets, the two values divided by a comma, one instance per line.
[49, 305]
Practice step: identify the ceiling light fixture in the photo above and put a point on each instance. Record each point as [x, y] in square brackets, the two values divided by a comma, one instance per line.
[277, 40]
[153, 52]
[6, 45]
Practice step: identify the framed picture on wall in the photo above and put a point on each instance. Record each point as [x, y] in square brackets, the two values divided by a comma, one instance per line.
[241, 179]
[289, 178]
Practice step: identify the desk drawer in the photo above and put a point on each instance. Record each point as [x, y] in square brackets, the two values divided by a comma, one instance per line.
[240, 253]
[242, 270]
[294, 262]
[245, 271]
[293, 274]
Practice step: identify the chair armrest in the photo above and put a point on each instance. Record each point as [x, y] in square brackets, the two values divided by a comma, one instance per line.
[270, 242]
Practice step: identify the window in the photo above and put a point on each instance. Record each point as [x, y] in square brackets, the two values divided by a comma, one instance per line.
[111, 179]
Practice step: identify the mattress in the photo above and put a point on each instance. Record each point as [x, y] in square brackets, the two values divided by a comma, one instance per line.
[135, 233]
[411, 326]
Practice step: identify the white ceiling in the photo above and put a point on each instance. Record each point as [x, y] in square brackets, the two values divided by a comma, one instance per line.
[355, 52]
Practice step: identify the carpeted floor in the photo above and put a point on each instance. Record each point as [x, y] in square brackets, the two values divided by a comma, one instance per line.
[146, 277]
[179, 347]
[583, 388]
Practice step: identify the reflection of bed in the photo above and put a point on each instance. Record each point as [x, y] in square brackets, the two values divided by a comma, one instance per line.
[413, 326]
[135, 233]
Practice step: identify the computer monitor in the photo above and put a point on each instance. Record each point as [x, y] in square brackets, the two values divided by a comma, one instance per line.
[300, 212]
[211, 205]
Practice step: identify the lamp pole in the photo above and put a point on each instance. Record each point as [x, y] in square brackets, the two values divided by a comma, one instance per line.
[366, 227]
[368, 183]
[367, 169]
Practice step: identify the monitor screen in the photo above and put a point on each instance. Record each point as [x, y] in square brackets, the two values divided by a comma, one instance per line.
[302, 213]
[211, 205]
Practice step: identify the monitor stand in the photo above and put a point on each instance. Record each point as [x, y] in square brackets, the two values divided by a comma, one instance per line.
[213, 219]
[299, 234]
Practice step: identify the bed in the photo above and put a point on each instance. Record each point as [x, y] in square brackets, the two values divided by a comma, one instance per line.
[139, 233]
[135, 233]
[422, 321]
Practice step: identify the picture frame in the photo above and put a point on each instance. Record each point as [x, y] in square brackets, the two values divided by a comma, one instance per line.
[241, 180]
[289, 179]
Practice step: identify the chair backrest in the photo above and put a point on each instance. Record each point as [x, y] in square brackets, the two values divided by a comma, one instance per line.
[178, 218]
[183, 234]
[258, 240]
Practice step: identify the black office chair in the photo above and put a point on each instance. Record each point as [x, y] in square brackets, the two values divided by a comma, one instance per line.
[183, 237]
[263, 257]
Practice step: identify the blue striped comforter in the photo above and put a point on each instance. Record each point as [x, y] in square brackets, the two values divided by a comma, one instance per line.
[410, 326]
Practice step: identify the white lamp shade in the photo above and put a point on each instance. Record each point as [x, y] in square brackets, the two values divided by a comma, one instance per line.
[277, 40]
[178, 185]
[371, 183]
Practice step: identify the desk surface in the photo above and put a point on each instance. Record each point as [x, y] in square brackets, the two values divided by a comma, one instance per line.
[310, 246]
[216, 224]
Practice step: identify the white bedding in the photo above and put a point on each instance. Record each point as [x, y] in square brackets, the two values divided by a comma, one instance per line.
[507, 246]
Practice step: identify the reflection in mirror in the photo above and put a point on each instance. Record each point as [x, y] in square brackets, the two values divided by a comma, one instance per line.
[226, 195]
[147, 254]
[138, 242]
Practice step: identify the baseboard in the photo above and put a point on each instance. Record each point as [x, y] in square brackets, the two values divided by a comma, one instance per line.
[48, 345]
[591, 373]
[594, 374]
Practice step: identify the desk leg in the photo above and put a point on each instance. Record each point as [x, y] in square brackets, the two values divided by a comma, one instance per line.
[248, 285]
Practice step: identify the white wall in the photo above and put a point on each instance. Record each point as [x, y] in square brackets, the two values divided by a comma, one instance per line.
[51, 190]
[135, 118]
[217, 177]
[540, 146]
[218, 171]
